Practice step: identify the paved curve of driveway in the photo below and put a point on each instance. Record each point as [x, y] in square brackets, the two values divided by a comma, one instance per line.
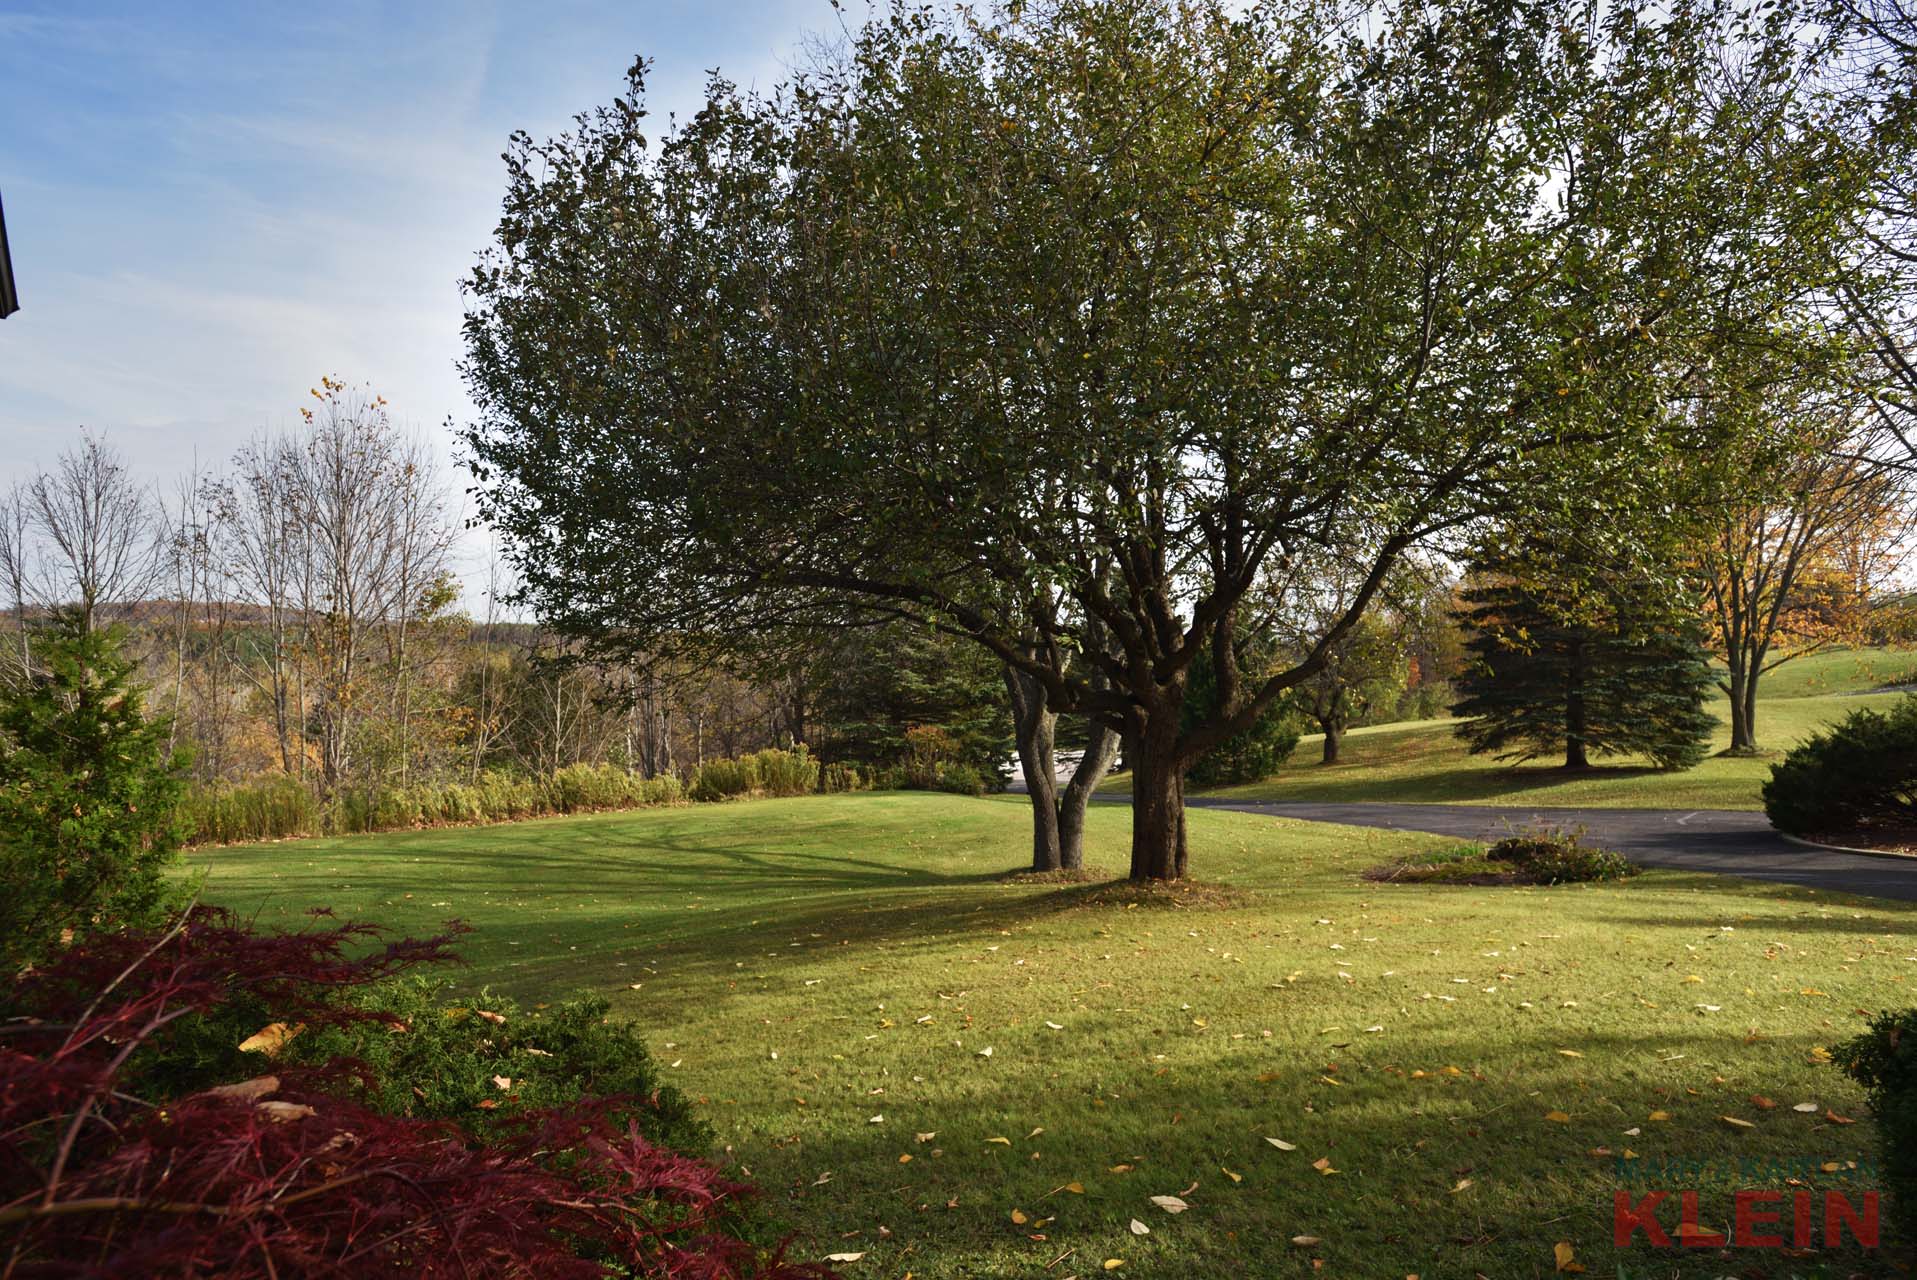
[1726, 841]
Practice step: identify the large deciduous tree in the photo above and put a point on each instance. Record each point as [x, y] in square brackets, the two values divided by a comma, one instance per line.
[1813, 525]
[1064, 327]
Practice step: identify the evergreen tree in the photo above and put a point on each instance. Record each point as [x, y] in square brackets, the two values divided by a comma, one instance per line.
[1566, 658]
[876, 685]
[1250, 756]
[89, 793]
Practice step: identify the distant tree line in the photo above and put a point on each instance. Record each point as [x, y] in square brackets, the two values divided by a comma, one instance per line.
[297, 615]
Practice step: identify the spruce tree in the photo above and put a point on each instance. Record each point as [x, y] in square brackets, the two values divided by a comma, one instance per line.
[1250, 756]
[1570, 658]
[89, 795]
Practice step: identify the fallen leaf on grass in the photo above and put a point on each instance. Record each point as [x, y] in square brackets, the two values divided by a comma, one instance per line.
[1462, 1184]
[1018, 1217]
[843, 1257]
[1139, 1228]
[1305, 1242]
[1557, 1117]
[1834, 1118]
[1323, 1165]
[1562, 1254]
[1235, 1177]
[1807, 1107]
[1170, 1204]
[246, 1090]
[1762, 1103]
[1282, 1145]
[1736, 1123]
[269, 1039]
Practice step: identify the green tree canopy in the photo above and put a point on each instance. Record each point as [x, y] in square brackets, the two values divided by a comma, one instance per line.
[1089, 314]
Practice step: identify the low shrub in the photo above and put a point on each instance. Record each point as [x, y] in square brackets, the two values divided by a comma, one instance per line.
[724, 780]
[959, 779]
[786, 773]
[1457, 864]
[138, 1138]
[1884, 1061]
[1860, 772]
[268, 809]
[1554, 856]
[837, 778]
[279, 807]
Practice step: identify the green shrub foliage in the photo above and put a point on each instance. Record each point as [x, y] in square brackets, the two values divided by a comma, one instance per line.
[1884, 1061]
[205, 1099]
[420, 1051]
[89, 793]
[1250, 756]
[1861, 772]
[1560, 857]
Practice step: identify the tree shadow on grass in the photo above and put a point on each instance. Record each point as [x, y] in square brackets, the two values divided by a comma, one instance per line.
[1735, 891]
[717, 945]
[1444, 1174]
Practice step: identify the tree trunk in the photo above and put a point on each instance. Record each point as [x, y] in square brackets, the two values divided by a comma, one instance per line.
[1158, 798]
[1744, 709]
[1740, 688]
[1100, 751]
[1574, 718]
[1034, 726]
[1334, 743]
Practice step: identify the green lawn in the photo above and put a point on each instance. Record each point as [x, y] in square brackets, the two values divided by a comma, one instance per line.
[826, 974]
[1422, 761]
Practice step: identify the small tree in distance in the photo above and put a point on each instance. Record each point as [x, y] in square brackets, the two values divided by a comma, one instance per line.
[1366, 671]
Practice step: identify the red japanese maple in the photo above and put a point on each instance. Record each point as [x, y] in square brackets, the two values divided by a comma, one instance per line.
[286, 1174]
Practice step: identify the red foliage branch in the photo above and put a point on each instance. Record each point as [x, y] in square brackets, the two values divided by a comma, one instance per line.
[276, 1177]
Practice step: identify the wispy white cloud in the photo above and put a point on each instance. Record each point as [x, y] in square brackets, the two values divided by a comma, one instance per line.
[211, 206]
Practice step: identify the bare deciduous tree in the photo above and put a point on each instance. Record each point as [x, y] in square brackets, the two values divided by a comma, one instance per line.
[97, 524]
[375, 531]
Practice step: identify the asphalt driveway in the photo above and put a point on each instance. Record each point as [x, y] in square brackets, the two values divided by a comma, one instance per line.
[1725, 841]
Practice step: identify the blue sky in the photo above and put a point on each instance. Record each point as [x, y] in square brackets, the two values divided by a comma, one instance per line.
[211, 204]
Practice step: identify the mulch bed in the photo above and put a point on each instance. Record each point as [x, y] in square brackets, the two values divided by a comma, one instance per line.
[1396, 873]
